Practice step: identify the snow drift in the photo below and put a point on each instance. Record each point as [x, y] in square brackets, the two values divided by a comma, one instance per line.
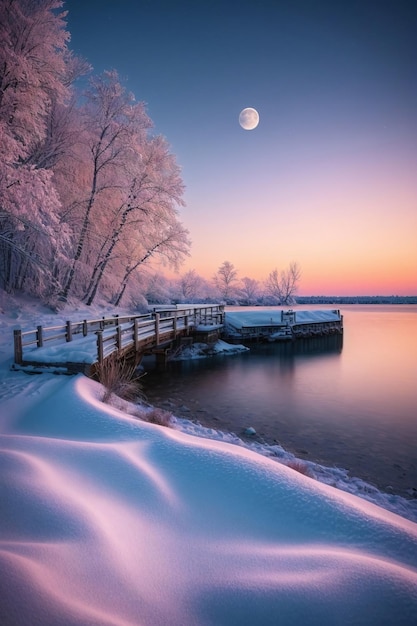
[107, 520]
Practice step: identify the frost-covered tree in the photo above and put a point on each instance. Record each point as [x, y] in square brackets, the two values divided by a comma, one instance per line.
[156, 289]
[190, 286]
[225, 280]
[126, 206]
[32, 68]
[249, 290]
[31, 238]
[148, 211]
[111, 120]
[283, 287]
[169, 242]
[33, 56]
[87, 196]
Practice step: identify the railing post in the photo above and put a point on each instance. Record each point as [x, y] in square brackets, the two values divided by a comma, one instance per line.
[157, 328]
[175, 323]
[118, 337]
[136, 334]
[68, 331]
[39, 336]
[85, 328]
[100, 349]
[18, 347]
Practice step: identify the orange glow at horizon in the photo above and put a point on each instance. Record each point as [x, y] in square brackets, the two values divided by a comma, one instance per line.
[351, 232]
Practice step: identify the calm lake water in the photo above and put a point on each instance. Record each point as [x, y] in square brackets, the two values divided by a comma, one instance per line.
[346, 401]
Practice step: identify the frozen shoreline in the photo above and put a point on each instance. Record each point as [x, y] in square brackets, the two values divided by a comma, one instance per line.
[112, 519]
[25, 314]
[186, 529]
[337, 476]
[333, 476]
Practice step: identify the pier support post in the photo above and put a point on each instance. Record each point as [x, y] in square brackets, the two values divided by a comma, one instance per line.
[161, 359]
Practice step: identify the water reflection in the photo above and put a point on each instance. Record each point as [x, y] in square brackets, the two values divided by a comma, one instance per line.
[314, 345]
[342, 400]
[284, 353]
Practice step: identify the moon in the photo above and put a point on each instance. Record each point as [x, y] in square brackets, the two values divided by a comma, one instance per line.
[249, 118]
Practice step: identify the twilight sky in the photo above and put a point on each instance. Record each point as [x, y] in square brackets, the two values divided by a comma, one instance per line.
[328, 178]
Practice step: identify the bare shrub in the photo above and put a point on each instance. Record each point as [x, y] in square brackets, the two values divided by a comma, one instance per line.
[159, 416]
[120, 378]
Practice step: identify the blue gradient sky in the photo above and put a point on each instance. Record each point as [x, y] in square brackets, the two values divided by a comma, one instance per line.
[328, 178]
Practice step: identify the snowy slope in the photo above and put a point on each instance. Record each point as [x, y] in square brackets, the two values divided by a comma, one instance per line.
[108, 520]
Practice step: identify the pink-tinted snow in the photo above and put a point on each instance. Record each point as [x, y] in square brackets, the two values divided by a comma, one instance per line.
[108, 520]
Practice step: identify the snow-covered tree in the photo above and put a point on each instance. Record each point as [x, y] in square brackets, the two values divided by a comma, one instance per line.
[249, 290]
[283, 287]
[190, 286]
[32, 68]
[156, 288]
[169, 242]
[33, 57]
[225, 280]
[111, 120]
[148, 212]
[87, 196]
[31, 238]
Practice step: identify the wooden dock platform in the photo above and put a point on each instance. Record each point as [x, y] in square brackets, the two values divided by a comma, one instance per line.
[81, 346]
[280, 325]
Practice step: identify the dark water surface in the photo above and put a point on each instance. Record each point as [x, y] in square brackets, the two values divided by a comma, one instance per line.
[349, 402]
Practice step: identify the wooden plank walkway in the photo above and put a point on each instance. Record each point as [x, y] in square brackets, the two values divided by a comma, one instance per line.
[81, 346]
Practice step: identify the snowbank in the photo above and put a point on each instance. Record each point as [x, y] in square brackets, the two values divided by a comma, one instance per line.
[109, 520]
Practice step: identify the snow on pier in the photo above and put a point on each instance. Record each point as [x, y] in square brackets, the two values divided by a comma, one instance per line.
[274, 325]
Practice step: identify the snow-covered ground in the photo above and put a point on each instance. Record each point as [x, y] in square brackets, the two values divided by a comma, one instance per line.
[109, 520]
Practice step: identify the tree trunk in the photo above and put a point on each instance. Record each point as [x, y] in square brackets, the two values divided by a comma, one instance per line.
[123, 287]
[128, 272]
[100, 267]
[84, 228]
[96, 268]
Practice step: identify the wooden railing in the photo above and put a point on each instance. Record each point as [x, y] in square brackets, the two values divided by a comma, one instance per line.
[119, 333]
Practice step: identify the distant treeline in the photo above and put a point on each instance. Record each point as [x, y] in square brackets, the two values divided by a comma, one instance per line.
[356, 299]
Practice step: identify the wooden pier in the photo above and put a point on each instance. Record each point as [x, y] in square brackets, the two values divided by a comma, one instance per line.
[278, 325]
[82, 346]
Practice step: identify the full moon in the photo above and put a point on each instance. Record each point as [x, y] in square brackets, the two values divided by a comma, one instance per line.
[249, 118]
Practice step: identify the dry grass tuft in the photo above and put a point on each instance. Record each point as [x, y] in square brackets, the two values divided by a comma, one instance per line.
[159, 416]
[121, 379]
[299, 466]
